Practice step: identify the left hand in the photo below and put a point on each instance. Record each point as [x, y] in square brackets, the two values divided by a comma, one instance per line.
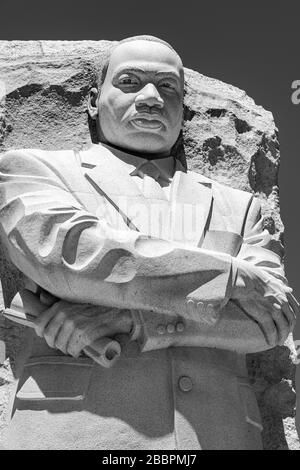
[70, 327]
[267, 300]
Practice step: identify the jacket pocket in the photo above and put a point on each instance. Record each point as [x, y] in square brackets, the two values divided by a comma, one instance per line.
[250, 406]
[55, 378]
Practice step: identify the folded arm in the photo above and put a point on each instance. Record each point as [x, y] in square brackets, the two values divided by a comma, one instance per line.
[261, 311]
[79, 258]
[76, 256]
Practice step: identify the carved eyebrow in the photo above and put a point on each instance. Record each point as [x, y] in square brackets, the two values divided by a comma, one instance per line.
[128, 70]
[168, 75]
[140, 70]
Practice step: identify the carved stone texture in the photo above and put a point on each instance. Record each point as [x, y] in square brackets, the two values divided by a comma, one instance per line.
[227, 137]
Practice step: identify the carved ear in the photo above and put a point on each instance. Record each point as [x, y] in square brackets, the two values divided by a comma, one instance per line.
[93, 103]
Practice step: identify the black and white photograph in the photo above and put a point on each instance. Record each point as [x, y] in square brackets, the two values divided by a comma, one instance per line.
[149, 235]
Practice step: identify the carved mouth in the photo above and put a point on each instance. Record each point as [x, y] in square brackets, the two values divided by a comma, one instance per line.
[146, 123]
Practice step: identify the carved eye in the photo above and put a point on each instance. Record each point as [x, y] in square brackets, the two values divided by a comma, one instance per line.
[169, 86]
[128, 80]
[166, 84]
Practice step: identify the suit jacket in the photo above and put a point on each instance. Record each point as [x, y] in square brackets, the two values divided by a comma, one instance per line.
[68, 224]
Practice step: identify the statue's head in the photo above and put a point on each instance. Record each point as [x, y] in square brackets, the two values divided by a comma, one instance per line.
[139, 103]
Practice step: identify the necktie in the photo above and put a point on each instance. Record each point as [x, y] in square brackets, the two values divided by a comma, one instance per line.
[154, 184]
[151, 170]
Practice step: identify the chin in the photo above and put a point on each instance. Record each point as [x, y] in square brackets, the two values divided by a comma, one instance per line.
[148, 145]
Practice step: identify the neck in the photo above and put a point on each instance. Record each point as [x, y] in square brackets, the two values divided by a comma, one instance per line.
[147, 156]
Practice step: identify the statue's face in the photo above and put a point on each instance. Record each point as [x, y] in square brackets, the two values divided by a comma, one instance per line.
[141, 102]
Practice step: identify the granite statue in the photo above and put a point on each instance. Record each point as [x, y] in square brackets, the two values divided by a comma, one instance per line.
[122, 245]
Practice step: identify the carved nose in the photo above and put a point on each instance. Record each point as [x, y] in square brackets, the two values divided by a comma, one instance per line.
[149, 95]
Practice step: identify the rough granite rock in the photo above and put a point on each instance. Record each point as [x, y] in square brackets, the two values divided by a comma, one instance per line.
[226, 137]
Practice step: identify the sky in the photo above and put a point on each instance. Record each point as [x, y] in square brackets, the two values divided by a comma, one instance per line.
[252, 45]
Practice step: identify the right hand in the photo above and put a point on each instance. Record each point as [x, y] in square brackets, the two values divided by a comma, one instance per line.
[70, 327]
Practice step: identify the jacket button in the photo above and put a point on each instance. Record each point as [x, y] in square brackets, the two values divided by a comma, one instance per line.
[161, 329]
[180, 327]
[170, 328]
[185, 384]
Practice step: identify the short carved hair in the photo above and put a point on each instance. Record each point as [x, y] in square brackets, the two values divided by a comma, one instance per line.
[105, 63]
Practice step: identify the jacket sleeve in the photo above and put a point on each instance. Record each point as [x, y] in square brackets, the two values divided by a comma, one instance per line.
[56, 242]
[259, 248]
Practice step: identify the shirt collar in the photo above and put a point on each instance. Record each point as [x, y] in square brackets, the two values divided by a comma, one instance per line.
[167, 165]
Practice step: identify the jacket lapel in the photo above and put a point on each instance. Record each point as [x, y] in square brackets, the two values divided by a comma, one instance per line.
[126, 207]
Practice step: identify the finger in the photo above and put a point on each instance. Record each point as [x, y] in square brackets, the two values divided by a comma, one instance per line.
[290, 316]
[82, 337]
[104, 351]
[261, 315]
[273, 305]
[281, 322]
[260, 285]
[293, 303]
[53, 326]
[63, 334]
[31, 303]
[43, 319]
[269, 329]
[286, 308]
[47, 298]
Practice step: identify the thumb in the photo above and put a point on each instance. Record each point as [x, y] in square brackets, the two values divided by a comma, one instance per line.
[31, 303]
